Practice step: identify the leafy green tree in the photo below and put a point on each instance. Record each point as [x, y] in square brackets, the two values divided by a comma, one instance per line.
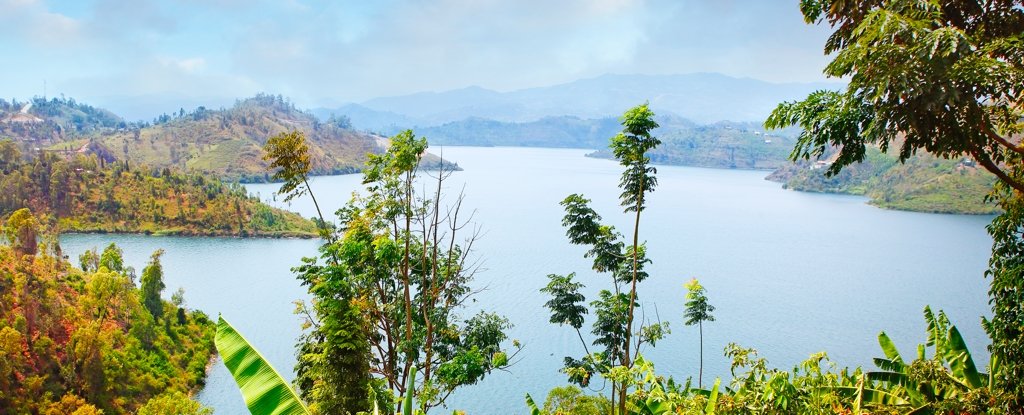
[613, 328]
[21, 231]
[697, 312]
[89, 260]
[173, 403]
[389, 295]
[112, 258]
[10, 156]
[153, 285]
[289, 154]
[946, 77]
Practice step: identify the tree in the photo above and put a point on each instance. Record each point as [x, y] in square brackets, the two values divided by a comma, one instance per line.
[152, 285]
[613, 328]
[387, 301]
[697, 312]
[946, 77]
[112, 258]
[21, 231]
[289, 154]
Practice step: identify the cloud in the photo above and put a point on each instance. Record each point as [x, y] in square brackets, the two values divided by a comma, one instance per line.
[323, 52]
[29, 22]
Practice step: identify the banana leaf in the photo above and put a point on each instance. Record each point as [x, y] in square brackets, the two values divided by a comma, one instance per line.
[264, 390]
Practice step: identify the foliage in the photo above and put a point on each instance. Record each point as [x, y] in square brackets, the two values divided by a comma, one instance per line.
[153, 285]
[84, 194]
[613, 310]
[386, 301]
[944, 382]
[176, 403]
[288, 153]
[943, 77]
[697, 312]
[1006, 328]
[81, 340]
[264, 390]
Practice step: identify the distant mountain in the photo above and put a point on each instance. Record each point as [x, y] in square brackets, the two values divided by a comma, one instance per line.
[721, 145]
[383, 122]
[701, 97]
[563, 132]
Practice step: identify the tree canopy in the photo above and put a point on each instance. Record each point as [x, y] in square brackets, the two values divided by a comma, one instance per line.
[943, 77]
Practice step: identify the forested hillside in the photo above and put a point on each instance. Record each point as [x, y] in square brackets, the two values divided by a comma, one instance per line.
[86, 340]
[87, 194]
[924, 183]
[227, 143]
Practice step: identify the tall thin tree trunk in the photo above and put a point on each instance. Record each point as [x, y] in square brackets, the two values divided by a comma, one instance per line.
[323, 223]
[700, 372]
[632, 291]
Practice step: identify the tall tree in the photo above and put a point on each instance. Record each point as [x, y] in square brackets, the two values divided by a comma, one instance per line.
[288, 153]
[613, 328]
[697, 312]
[946, 77]
[391, 300]
[152, 285]
[21, 230]
[112, 258]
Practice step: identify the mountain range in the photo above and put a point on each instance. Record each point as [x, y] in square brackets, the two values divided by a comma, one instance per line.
[700, 97]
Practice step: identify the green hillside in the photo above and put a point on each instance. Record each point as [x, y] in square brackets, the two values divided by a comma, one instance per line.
[924, 183]
[228, 143]
[86, 194]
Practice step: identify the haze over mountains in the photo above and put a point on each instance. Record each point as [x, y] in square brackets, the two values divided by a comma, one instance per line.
[700, 97]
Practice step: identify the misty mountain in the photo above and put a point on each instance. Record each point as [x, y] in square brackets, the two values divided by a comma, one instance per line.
[701, 97]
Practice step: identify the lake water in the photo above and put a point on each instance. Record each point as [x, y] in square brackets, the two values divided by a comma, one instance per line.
[790, 273]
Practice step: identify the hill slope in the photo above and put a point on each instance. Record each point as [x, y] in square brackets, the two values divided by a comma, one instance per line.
[924, 183]
[228, 143]
[82, 341]
[85, 194]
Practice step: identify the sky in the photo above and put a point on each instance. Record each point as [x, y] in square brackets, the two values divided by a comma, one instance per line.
[186, 53]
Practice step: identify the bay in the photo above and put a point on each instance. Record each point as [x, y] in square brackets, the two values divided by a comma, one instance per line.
[790, 273]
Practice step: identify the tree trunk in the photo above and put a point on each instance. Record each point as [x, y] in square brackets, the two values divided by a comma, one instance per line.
[700, 372]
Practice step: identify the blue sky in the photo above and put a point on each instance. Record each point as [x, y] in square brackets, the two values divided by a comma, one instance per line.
[323, 53]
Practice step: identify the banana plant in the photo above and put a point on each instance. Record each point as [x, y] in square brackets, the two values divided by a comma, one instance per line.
[948, 374]
[264, 390]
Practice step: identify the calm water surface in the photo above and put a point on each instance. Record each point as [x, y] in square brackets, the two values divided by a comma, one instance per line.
[790, 273]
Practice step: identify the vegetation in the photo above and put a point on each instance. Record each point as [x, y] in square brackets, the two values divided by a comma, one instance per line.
[86, 194]
[82, 341]
[264, 390]
[942, 77]
[385, 301]
[697, 312]
[946, 381]
[613, 329]
[922, 183]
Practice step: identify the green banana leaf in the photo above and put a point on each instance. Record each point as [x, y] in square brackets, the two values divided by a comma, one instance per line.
[409, 392]
[264, 390]
[713, 398]
[960, 361]
[534, 409]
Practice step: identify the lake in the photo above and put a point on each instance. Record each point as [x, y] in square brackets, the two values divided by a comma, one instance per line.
[790, 273]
